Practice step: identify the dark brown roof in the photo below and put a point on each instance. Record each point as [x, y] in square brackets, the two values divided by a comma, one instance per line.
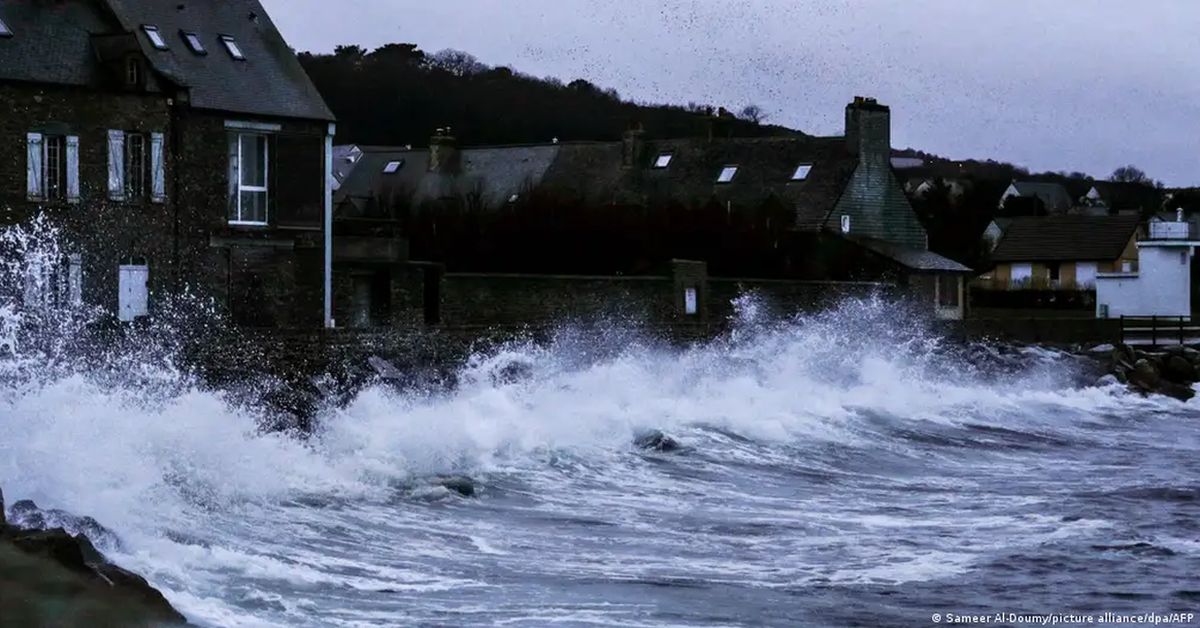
[1066, 238]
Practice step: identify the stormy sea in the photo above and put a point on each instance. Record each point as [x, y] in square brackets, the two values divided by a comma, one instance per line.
[848, 467]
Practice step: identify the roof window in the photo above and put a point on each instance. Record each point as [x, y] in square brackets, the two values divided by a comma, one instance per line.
[4, 30]
[231, 45]
[801, 172]
[155, 37]
[193, 42]
[392, 167]
[663, 161]
[727, 174]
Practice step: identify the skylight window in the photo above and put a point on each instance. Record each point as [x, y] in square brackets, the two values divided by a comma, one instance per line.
[663, 161]
[392, 167]
[727, 174]
[156, 37]
[231, 45]
[193, 42]
[801, 172]
[4, 30]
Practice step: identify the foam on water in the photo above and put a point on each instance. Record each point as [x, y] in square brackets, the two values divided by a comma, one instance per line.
[859, 405]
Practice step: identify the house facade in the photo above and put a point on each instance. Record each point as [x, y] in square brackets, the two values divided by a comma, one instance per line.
[790, 207]
[179, 147]
[1052, 197]
[1062, 252]
[1163, 284]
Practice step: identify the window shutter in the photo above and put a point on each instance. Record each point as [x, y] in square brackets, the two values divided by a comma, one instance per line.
[158, 171]
[234, 175]
[116, 165]
[33, 167]
[72, 169]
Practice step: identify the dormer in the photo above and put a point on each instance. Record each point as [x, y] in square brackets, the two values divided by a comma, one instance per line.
[124, 62]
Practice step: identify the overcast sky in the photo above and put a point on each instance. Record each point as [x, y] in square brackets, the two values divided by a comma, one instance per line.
[1049, 84]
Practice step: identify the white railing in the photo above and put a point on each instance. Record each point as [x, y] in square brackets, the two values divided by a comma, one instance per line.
[1170, 230]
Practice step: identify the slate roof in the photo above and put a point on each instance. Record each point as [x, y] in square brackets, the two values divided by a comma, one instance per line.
[594, 172]
[913, 259]
[1118, 196]
[52, 45]
[1054, 195]
[1065, 238]
[57, 43]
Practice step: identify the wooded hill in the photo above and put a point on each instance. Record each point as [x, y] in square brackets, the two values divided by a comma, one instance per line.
[399, 95]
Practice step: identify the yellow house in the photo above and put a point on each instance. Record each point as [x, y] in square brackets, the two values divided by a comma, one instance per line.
[1062, 252]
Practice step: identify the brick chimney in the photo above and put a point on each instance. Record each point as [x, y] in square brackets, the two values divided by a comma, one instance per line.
[443, 152]
[869, 131]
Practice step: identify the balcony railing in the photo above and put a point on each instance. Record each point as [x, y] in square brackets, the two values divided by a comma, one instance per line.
[1171, 231]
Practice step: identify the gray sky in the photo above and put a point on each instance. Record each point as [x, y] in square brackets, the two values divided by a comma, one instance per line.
[1049, 84]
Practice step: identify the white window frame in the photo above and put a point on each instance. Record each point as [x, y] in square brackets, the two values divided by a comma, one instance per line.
[728, 174]
[155, 36]
[801, 173]
[392, 167]
[5, 31]
[232, 47]
[845, 223]
[663, 161]
[265, 189]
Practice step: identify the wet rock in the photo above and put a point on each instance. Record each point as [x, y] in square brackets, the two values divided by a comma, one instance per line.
[1108, 380]
[459, 484]
[53, 576]
[655, 440]
[1144, 375]
[1175, 391]
[1179, 370]
[1123, 354]
[27, 515]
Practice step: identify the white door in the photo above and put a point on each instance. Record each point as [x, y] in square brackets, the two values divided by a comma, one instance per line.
[133, 292]
[1022, 274]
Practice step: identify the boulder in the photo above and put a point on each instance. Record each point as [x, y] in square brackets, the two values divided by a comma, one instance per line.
[1123, 354]
[1176, 391]
[459, 484]
[655, 440]
[1144, 375]
[1108, 380]
[1179, 370]
[27, 515]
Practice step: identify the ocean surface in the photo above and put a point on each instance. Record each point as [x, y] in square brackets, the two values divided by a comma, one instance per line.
[845, 468]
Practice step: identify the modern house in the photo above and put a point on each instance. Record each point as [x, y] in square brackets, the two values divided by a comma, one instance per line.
[1062, 252]
[791, 207]
[180, 147]
[1053, 197]
[1163, 284]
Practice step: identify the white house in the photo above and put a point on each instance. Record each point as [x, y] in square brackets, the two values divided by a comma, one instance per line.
[1162, 285]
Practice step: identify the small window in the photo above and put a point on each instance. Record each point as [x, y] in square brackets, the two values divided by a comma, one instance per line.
[801, 172]
[54, 167]
[845, 223]
[1055, 272]
[156, 37]
[947, 289]
[135, 166]
[727, 174]
[133, 72]
[193, 42]
[690, 304]
[234, 50]
[663, 161]
[514, 198]
[4, 30]
[392, 167]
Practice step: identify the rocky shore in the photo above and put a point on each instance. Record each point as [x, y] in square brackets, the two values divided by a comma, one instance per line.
[51, 577]
[1169, 371]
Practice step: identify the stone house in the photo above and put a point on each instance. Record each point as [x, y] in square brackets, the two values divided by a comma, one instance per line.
[823, 208]
[180, 147]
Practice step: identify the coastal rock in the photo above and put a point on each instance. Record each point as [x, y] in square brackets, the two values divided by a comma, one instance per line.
[1176, 391]
[1108, 380]
[459, 484]
[1179, 370]
[655, 440]
[1144, 375]
[27, 515]
[1123, 354]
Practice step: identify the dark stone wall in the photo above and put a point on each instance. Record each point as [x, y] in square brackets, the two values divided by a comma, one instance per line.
[103, 232]
[544, 300]
[785, 298]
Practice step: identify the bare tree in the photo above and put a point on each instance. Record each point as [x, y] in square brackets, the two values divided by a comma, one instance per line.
[457, 62]
[1130, 174]
[753, 113]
